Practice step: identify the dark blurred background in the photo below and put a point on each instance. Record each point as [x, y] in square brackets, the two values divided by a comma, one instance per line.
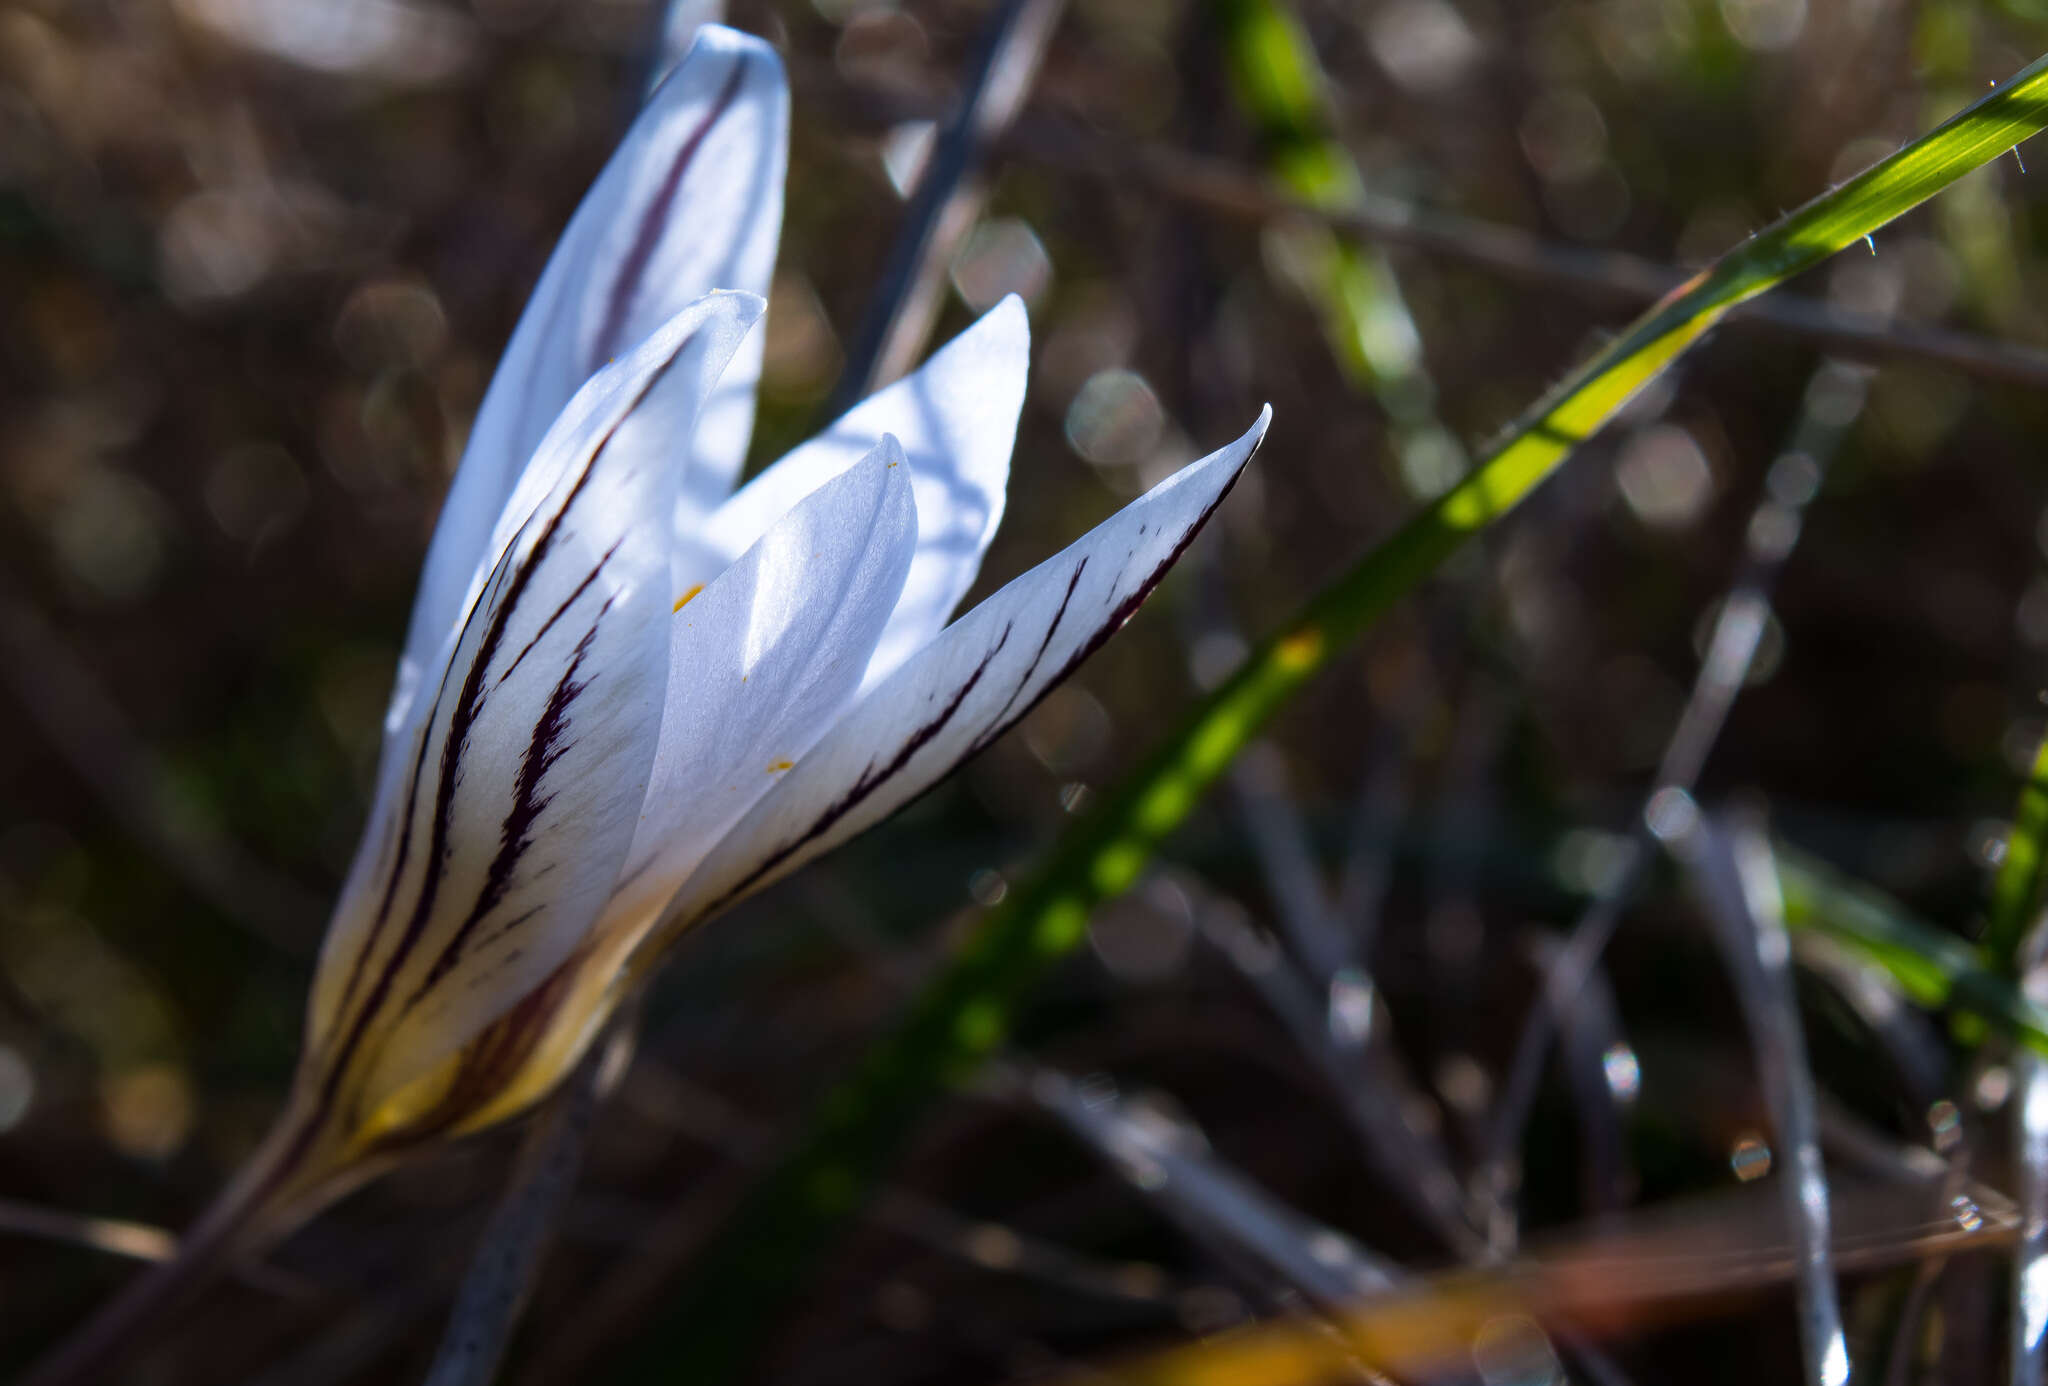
[257, 258]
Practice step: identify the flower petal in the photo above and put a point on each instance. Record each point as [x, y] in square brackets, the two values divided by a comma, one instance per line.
[763, 661]
[524, 769]
[966, 687]
[957, 419]
[691, 202]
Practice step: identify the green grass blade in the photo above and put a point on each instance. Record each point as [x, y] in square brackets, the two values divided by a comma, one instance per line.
[1933, 968]
[1372, 335]
[964, 1013]
[2022, 872]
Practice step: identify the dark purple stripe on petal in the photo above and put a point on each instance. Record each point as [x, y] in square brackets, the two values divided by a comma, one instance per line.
[872, 778]
[545, 745]
[1024, 680]
[556, 615]
[453, 747]
[492, 1059]
[606, 344]
[1118, 617]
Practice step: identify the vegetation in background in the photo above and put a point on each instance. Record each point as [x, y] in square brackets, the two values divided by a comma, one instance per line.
[255, 286]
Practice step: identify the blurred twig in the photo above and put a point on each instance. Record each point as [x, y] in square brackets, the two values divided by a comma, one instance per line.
[1834, 398]
[1169, 1161]
[673, 1236]
[1354, 1055]
[1225, 189]
[82, 723]
[1214, 1204]
[1919, 1064]
[994, 1247]
[610, 1312]
[1344, 1032]
[947, 202]
[1732, 871]
[1920, 1067]
[2029, 1322]
[1320, 987]
[1656, 1268]
[350, 1347]
[1222, 188]
[1271, 819]
[1601, 1071]
[137, 1241]
[1368, 853]
[2027, 1333]
[2016, 945]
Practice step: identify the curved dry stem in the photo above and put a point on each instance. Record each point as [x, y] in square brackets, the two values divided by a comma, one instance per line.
[291, 1175]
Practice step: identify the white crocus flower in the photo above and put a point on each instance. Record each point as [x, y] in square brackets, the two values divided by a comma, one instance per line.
[626, 700]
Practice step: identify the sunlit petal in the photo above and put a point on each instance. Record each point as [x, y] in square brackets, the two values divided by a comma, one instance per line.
[691, 202]
[957, 420]
[761, 662]
[524, 773]
[961, 692]
[765, 659]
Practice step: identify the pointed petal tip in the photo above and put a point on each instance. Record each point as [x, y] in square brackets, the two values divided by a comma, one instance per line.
[1237, 454]
[1256, 434]
[999, 342]
[954, 694]
[887, 463]
[1009, 321]
[882, 467]
[729, 313]
[745, 305]
[719, 46]
[720, 38]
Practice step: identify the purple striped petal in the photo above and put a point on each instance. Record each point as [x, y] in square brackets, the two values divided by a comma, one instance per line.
[523, 771]
[956, 417]
[967, 687]
[691, 202]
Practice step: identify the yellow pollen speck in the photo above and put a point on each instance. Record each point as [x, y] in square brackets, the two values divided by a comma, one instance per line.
[779, 766]
[684, 600]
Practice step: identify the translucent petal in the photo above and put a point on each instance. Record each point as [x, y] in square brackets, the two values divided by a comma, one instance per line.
[523, 775]
[956, 417]
[965, 688]
[691, 202]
